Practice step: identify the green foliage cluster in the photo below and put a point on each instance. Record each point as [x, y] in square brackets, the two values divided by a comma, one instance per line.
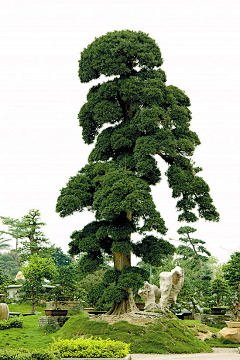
[11, 323]
[35, 271]
[9, 263]
[114, 284]
[60, 259]
[220, 288]
[65, 286]
[23, 354]
[192, 247]
[90, 348]
[231, 270]
[163, 337]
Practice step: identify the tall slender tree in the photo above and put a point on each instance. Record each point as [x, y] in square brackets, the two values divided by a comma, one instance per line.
[132, 118]
[28, 232]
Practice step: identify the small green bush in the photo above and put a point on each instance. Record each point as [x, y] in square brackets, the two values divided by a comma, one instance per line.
[11, 323]
[22, 354]
[206, 310]
[93, 348]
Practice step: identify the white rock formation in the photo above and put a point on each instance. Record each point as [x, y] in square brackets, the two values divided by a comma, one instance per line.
[170, 285]
[150, 293]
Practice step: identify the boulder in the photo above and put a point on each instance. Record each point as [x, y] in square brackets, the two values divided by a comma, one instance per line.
[232, 334]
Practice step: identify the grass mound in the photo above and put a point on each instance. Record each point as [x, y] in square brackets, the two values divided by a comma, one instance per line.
[163, 337]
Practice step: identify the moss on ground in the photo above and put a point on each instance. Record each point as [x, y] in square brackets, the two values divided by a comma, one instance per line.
[163, 337]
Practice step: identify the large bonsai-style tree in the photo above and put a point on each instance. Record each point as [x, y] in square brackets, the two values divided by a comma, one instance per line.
[131, 118]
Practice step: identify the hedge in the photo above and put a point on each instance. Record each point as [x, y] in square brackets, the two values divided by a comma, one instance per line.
[90, 348]
[22, 354]
[11, 323]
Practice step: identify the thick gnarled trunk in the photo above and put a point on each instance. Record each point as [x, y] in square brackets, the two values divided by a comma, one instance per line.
[124, 306]
[120, 261]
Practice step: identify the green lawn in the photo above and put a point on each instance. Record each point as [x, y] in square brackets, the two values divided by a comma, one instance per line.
[30, 336]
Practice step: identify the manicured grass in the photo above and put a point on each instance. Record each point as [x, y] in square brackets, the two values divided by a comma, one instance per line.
[216, 342]
[167, 336]
[30, 336]
[193, 323]
[163, 337]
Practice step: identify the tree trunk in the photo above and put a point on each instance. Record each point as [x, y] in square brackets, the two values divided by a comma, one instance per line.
[121, 260]
[33, 304]
[124, 306]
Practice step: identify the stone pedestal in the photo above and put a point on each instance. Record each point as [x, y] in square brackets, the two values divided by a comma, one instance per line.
[56, 321]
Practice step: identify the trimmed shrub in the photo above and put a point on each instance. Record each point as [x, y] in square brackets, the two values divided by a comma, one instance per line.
[11, 323]
[206, 310]
[22, 354]
[90, 348]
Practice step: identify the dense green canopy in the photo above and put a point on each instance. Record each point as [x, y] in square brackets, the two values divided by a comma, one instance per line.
[131, 119]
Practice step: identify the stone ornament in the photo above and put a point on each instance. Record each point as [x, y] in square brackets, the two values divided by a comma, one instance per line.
[4, 311]
[170, 285]
[19, 276]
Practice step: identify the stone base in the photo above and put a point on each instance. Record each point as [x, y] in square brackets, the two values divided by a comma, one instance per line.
[208, 319]
[56, 321]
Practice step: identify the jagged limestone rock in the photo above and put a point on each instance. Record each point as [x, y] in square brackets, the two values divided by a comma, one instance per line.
[151, 295]
[170, 285]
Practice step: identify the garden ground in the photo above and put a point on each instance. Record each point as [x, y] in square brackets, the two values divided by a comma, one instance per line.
[144, 338]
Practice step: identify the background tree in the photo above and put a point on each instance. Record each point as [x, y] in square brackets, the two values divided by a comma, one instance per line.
[131, 118]
[60, 258]
[35, 271]
[9, 265]
[231, 271]
[194, 258]
[220, 288]
[192, 248]
[15, 229]
[28, 232]
[4, 244]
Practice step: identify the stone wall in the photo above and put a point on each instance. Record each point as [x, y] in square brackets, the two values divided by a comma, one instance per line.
[209, 319]
[56, 321]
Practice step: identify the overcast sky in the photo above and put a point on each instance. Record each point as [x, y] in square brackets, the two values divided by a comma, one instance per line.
[40, 96]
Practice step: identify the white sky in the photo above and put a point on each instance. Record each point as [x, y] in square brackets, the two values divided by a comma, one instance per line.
[40, 96]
